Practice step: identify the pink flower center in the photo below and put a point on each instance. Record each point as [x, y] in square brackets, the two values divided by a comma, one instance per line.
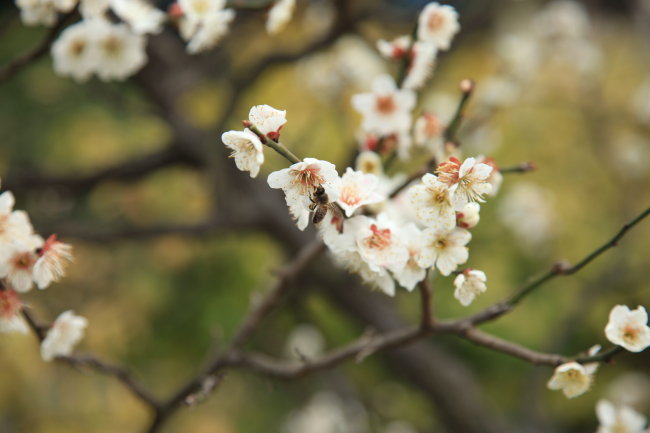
[385, 104]
[435, 21]
[23, 261]
[448, 171]
[307, 178]
[350, 195]
[379, 239]
[630, 333]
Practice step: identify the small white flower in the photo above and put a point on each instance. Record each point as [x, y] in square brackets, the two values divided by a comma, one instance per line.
[376, 278]
[628, 329]
[268, 120]
[444, 249]
[428, 130]
[299, 182]
[386, 110]
[120, 52]
[208, 32]
[67, 330]
[468, 182]
[140, 15]
[35, 12]
[438, 24]
[279, 15]
[432, 201]
[412, 273]
[74, 52]
[52, 260]
[469, 217]
[369, 162]
[11, 320]
[469, 284]
[17, 263]
[247, 149]
[621, 419]
[379, 244]
[358, 189]
[574, 379]
[14, 224]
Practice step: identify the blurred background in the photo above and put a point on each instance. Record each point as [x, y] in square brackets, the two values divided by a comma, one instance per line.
[172, 243]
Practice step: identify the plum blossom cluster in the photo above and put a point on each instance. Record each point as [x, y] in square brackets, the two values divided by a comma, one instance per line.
[28, 260]
[115, 49]
[387, 110]
[387, 239]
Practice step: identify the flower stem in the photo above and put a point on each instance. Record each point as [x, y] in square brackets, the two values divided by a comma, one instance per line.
[278, 147]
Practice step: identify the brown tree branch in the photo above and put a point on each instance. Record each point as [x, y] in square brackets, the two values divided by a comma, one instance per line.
[38, 51]
[127, 171]
[122, 374]
[558, 269]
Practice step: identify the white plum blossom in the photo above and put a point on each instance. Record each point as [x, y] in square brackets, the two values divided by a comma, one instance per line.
[141, 16]
[621, 419]
[438, 24]
[628, 329]
[17, 262]
[299, 182]
[14, 224]
[369, 162]
[412, 273]
[387, 109]
[74, 52]
[468, 217]
[210, 31]
[66, 331]
[358, 189]
[573, 378]
[432, 201]
[35, 12]
[444, 249]
[279, 15]
[379, 244]
[378, 278]
[427, 130]
[468, 182]
[204, 23]
[53, 258]
[120, 52]
[268, 120]
[469, 284]
[11, 320]
[247, 150]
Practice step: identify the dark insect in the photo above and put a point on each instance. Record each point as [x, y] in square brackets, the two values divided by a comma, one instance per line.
[320, 204]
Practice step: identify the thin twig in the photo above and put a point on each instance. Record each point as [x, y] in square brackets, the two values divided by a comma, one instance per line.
[120, 373]
[558, 269]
